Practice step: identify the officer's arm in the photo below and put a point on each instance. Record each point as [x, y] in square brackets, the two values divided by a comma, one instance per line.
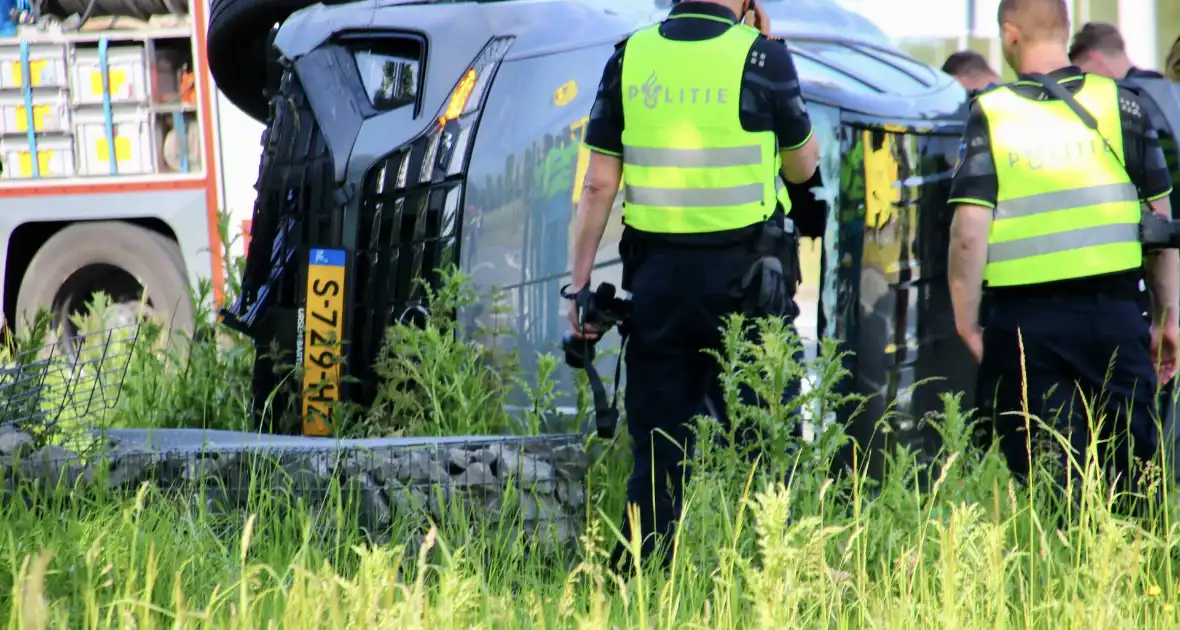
[966, 260]
[799, 149]
[974, 190]
[603, 177]
[1163, 276]
[1149, 172]
[799, 164]
[604, 138]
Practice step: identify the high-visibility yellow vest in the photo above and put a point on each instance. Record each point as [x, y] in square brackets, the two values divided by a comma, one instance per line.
[1066, 207]
[688, 165]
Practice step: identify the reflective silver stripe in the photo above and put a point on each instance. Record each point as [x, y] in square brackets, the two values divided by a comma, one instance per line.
[693, 197]
[1063, 242]
[1063, 199]
[692, 158]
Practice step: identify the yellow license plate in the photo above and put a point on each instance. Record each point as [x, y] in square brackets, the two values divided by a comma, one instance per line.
[323, 329]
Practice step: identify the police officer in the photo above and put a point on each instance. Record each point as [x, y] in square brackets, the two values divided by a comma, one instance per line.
[971, 70]
[697, 116]
[1046, 214]
[1099, 48]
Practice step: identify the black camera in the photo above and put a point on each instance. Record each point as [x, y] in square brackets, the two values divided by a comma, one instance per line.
[1157, 232]
[603, 310]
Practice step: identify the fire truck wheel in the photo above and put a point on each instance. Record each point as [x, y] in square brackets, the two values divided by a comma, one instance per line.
[237, 48]
[120, 259]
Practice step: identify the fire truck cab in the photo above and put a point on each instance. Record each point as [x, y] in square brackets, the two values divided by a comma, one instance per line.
[118, 157]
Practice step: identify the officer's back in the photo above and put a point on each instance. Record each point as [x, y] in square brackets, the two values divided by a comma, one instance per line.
[693, 116]
[1099, 48]
[1047, 203]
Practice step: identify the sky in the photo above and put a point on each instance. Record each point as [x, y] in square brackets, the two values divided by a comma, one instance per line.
[948, 18]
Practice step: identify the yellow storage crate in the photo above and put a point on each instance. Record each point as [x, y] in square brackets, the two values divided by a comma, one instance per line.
[126, 73]
[133, 143]
[47, 66]
[51, 113]
[55, 156]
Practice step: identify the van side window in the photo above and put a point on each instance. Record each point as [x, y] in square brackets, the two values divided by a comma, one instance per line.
[811, 71]
[879, 68]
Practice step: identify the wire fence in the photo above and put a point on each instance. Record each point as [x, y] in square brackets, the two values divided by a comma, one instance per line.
[56, 403]
[530, 487]
[67, 385]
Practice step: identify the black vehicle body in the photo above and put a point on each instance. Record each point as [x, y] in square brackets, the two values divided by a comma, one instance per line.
[494, 189]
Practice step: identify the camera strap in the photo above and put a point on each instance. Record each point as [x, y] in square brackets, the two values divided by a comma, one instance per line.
[1154, 232]
[606, 409]
[1057, 91]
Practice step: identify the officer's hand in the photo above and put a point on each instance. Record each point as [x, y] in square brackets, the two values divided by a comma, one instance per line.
[973, 338]
[1165, 342]
[756, 18]
[577, 331]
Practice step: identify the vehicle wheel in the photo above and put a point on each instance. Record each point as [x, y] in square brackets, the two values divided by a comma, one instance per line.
[119, 259]
[237, 48]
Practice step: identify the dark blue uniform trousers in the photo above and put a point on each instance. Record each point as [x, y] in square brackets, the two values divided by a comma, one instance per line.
[1076, 346]
[679, 301]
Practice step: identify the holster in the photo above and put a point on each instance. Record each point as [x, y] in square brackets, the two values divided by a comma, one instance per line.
[768, 287]
[632, 252]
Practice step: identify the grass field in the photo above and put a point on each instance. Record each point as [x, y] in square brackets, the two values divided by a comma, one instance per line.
[974, 550]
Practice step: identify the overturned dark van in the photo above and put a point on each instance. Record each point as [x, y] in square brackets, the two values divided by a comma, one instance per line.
[405, 135]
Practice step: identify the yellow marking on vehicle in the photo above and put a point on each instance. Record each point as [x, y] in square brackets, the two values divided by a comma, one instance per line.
[322, 335]
[883, 243]
[565, 93]
[881, 196]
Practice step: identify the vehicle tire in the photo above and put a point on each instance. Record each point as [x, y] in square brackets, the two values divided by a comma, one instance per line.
[238, 45]
[119, 258]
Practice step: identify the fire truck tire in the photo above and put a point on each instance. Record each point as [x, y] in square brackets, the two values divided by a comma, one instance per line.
[237, 48]
[152, 259]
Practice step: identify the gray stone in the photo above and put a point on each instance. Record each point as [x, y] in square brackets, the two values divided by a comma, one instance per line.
[359, 463]
[122, 472]
[478, 474]
[529, 472]
[571, 493]
[408, 502]
[53, 465]
[540, 508]
[486, 455]
[200, 468]
[571, 460]
[387, 471]
[458, 458]
[421, 468]
[375, 513]
[15, 443]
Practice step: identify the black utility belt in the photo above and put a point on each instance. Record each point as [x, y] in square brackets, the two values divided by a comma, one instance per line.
[1009, 296]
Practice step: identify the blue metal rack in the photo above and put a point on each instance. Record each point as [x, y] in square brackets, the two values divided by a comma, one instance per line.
[106, 45]
[180, 128]
[106, 104]
[26, 72]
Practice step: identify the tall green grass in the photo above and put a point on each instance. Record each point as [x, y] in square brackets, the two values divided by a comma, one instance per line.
[770, 537]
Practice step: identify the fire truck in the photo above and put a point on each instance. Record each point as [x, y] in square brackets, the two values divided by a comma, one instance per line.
[119, 156]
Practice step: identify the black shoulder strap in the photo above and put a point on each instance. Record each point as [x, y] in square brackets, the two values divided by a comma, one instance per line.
[1057, 91]
[1164, 95]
